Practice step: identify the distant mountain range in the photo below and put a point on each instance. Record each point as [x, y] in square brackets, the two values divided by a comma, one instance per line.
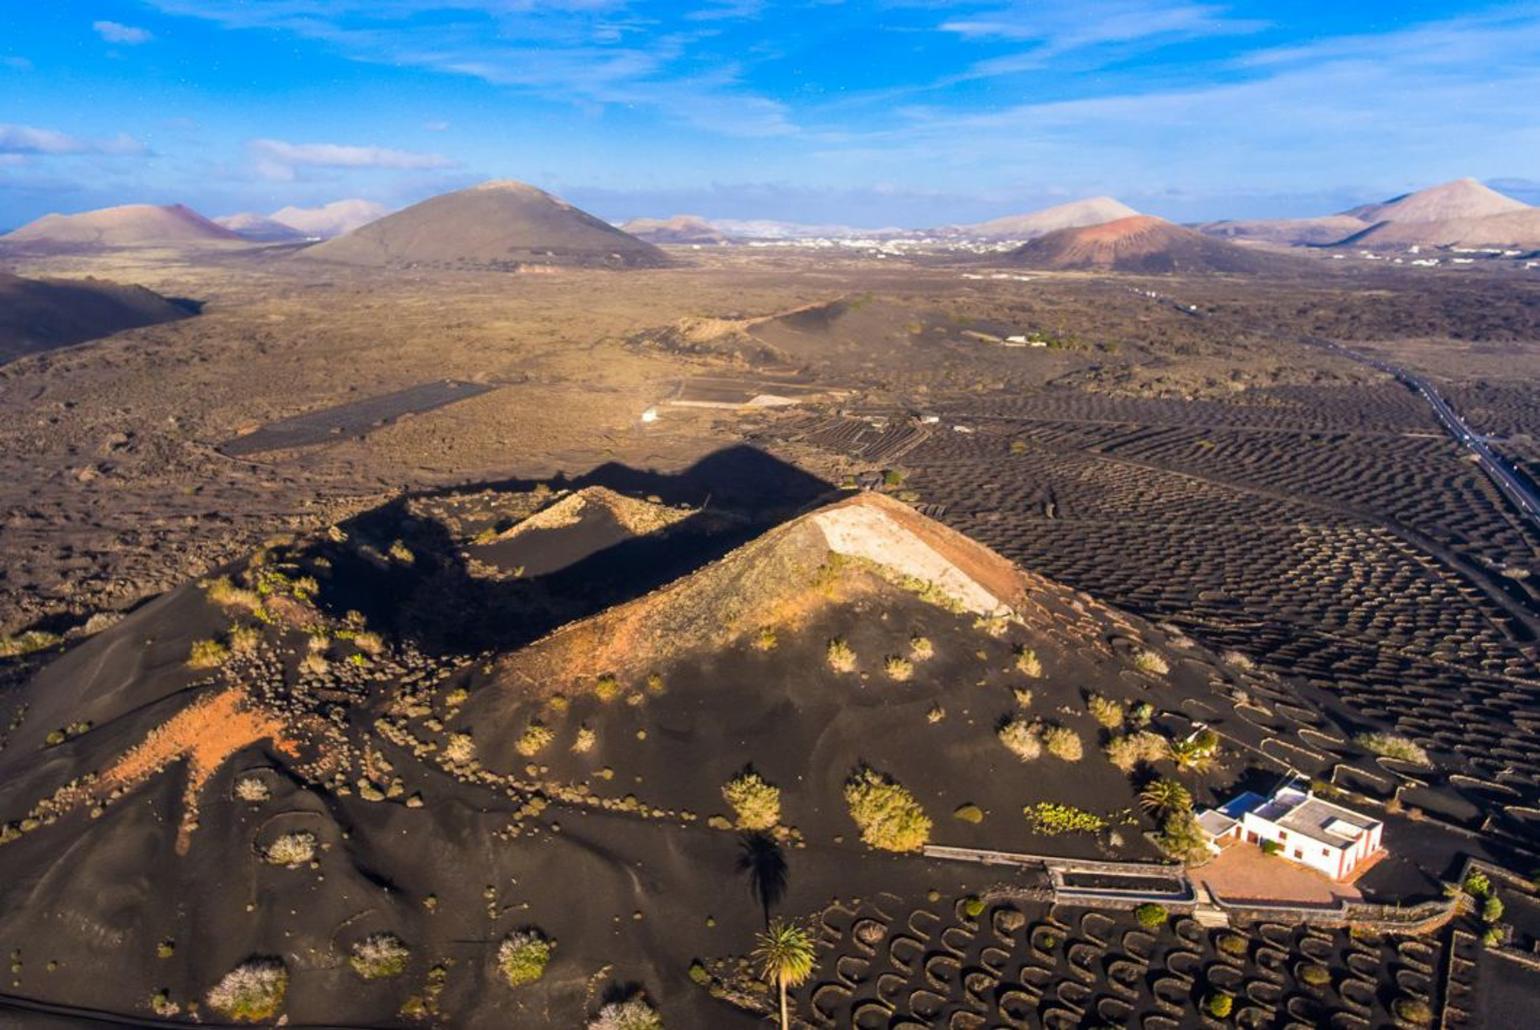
[1461, 213]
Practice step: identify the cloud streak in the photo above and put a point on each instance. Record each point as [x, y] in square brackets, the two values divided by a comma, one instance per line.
[279, 159]
[27, 140]
[581, 52]
[116, 32]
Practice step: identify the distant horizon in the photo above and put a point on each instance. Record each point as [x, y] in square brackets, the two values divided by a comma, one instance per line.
[871, 114]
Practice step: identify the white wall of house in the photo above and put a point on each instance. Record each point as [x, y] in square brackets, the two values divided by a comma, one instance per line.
[1322, 856]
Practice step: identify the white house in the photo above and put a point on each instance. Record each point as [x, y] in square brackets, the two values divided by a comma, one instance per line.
[1306, 829]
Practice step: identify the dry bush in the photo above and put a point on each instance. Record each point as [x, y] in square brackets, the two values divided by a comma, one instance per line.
[244, 639]
[921, 649]
[1149, 662]
[607, 688]
[1105, 710]
[840, 655]
[1027, 662]
[585, 740]
[207, 654]
[1130, 751]
[314, 664]
[1392, 745]
[252, 992]
[889, 816]
[523, 956]
[291, 849]
[226, 594]
[765, 639]
[756, 803]
[1023, 697]
[898, 668]
[380, 956]
[1063, 743]
[460, 749]
[935, 713]
[250, 788]
[1021, 738]
[369, 642]
[631, 1014]
[537, 736]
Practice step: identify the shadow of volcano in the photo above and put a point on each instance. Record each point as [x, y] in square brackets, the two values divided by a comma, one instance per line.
[429, 596]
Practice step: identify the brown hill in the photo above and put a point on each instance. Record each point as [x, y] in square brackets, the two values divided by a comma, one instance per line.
[1450, 201]
[131, 225]
[1091, 211]
[1518, 230]
[1144, 244]
[678, 229]
[499, 224]
[41, 314]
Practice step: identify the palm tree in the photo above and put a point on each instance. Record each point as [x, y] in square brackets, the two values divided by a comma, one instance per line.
[1191, 755]
[1165, 796]
[785, 956]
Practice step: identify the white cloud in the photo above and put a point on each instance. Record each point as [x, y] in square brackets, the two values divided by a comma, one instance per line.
[436, 126]
[1058, 28]
[117, 32]
[25, 139]
[20, 64]
[278, 159]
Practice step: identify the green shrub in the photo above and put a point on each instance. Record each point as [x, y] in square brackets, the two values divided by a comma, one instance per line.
[1141, 713]
[1272, 847]
[1150, 915]
[699, 974]
[1165, 796]
[252, 992]
[973, 907]
[523, 956]
[1219, 1004]
[1412, 1010]
[765, 639]
[1234, 945]
[1492, 936]
[1491, 909]
[1313, 974]
[1182, 838]
[28, 642]
[969, 813]
[1021, 738]
[756, 803]
[1477, 884]
[1391, 745]
[1051, 819]
[1063, 743]
[889, 816]
[380, 956]
[207, 654]
[606, 688]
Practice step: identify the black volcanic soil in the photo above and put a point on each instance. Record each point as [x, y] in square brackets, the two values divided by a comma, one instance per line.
[130, 830]
[41, 314]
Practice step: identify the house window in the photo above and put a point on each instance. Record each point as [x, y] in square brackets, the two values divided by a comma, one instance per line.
[1298, 853]
[1283, 834]
[1326, 852]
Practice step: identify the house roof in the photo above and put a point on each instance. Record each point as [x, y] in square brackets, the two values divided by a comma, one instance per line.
[1317, 819]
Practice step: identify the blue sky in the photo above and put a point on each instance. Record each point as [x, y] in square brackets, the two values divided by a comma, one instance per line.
[867, 112]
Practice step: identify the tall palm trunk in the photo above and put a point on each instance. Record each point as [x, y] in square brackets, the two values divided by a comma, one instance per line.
[785, 1019]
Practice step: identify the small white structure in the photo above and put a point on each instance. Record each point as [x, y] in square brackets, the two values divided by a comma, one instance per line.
[1306, 829]
[650, 415]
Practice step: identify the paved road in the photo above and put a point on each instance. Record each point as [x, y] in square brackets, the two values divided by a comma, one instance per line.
[1517, 490]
